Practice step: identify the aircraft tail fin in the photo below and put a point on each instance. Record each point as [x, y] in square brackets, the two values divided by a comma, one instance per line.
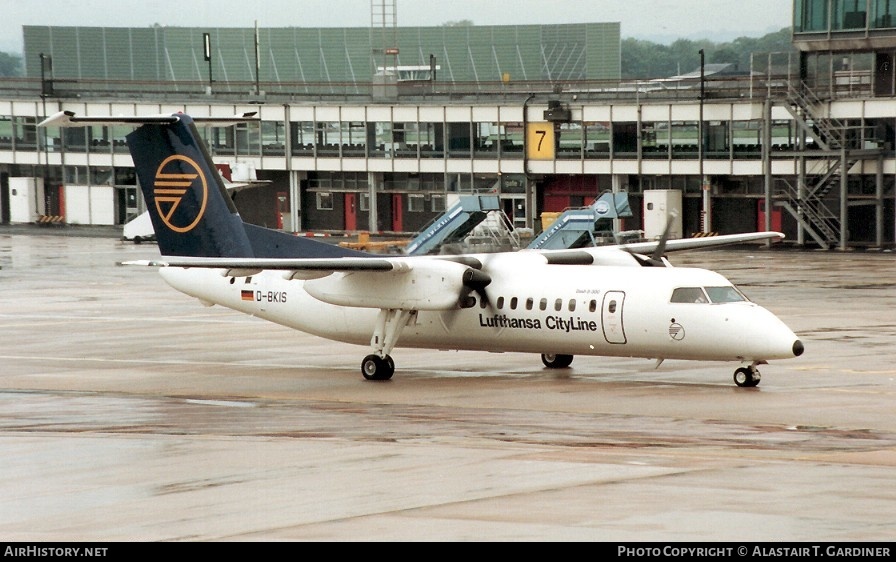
[192, 214]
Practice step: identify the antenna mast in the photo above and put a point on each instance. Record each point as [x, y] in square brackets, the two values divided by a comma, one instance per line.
[384, 33]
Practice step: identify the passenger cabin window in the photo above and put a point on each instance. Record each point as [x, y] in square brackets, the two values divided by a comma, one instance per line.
[558, 305]
[513, 302]
[500, 302]
[592, 306]
[543, 304]
[572, 305]
[530, 302]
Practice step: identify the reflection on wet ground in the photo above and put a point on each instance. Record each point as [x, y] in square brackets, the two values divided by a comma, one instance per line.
[36, 413]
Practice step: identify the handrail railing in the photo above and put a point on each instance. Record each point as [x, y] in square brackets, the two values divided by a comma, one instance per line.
[812, 210]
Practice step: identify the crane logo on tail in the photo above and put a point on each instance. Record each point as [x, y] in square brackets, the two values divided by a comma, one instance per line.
[175, 176]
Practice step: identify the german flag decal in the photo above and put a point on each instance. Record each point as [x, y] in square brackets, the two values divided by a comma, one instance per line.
[247, 295]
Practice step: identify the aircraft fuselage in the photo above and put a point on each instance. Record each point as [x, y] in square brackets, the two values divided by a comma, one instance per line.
[556, 309]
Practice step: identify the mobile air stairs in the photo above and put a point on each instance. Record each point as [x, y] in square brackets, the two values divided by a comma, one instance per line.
[588, 226]
[474, 223]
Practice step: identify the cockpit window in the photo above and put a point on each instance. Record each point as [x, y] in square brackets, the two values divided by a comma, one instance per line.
[725, 294]
[689, 294]
[707, 294]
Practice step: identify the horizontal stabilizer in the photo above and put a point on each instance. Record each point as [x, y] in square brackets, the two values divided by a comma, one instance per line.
[69, 119]
[279, 264]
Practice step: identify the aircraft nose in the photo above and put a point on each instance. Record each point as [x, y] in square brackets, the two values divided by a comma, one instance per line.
[798, 348]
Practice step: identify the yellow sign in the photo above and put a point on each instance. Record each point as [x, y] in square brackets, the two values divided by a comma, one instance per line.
[540, 141]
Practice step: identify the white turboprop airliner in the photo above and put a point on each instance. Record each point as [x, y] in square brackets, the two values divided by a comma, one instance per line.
[621, 301]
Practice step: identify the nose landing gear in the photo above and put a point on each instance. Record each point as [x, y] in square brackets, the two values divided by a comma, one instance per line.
[747, 376]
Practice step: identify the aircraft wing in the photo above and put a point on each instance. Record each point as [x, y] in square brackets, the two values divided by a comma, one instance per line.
[649, 253]
[704, 242]
[307, 268]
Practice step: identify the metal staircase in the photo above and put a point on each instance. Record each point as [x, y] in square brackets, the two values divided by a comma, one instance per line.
[834, 150]
[588, 226]
[494, 234]
[827, 132]
[454, 225]
[816, 218]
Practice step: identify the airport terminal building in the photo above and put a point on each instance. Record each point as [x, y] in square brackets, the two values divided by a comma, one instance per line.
[378, 129]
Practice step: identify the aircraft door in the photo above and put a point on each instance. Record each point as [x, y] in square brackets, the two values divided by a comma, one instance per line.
[515, 209]
[611, 317]
[128, 205]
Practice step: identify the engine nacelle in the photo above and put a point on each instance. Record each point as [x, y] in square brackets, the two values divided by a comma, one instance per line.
[427, 285]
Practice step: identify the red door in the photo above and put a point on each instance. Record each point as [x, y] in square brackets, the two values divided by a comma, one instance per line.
[776, 218]
[397, 220]
[351, 212]
[556, 203]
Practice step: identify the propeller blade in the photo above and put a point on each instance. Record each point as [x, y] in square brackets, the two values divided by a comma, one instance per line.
[660, 250]
[475, 280]
[656, 259]
[645, 261]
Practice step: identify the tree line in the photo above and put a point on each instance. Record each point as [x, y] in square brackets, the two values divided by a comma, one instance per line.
[640, 58]
[10, 65]
[645, 59]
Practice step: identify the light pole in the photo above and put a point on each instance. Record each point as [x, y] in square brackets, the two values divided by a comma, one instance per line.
[704, 183]
[207, 53]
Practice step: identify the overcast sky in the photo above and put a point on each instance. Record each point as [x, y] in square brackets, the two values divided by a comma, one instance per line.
[658, 20]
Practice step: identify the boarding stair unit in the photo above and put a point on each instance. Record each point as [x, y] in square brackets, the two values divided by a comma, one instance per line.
[474, 222]
[834, 149]
[593, 225]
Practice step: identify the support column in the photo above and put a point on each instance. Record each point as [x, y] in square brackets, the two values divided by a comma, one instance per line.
[372, 217]
[617, 186]
[531, 203]
[767, 165]
[801, 190]
[295, 198]
[879, 202]
[707, 204]
[844, 194]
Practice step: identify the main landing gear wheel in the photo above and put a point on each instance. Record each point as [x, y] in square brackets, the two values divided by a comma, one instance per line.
[552, 361]
[747, 377]
[376, 368]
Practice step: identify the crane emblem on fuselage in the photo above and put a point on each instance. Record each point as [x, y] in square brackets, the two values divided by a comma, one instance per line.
[676, 331]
